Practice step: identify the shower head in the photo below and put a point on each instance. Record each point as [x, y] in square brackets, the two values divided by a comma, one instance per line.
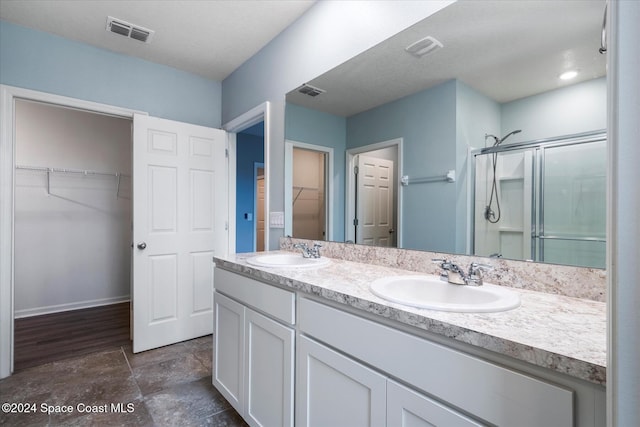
[496, 141]
[507, 136]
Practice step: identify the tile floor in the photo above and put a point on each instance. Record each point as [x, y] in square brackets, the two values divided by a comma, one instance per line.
[169, 386]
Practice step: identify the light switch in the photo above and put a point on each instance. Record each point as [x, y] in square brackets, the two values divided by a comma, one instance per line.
[276, 219]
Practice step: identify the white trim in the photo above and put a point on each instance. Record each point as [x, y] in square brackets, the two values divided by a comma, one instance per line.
[470, 201]
[59, 308]
[258, 114]
[288, 183]
[8, 95]
[349, 201]
[231, 194]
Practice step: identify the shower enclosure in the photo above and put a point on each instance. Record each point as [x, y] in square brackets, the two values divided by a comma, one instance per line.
[548, 202]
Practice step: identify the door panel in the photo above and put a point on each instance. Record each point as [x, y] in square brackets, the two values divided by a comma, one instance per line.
[269, 371]
[573, 206]
[163, 271]
[326, 379]
[228, 351]
[179, 220]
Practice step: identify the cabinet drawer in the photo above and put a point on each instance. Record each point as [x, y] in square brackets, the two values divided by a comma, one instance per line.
[271, 300]
[406, 408]
[491, 392]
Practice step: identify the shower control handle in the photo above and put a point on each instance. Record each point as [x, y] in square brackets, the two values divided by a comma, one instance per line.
[142, 246]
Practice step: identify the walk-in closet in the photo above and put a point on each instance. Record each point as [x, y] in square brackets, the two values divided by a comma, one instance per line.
[72, 231]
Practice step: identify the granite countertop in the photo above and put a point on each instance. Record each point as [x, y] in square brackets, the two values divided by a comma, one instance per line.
[556, 332]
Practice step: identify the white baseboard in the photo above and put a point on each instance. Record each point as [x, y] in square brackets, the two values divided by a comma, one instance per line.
[37, 311]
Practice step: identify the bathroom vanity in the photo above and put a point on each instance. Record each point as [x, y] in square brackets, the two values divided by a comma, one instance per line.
[316, 347]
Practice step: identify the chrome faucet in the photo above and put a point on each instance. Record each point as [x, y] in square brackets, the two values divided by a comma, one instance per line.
[308, 252]
[454, 274]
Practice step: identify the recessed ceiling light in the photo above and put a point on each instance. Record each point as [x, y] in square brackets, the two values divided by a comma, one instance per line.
[568, 75]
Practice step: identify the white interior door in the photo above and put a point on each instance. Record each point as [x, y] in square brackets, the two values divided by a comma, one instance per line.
[259, 215]
[179, 222]
[375, 201]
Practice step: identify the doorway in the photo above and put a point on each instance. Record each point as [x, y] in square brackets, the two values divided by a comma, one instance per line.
[249, 191]
[72, 230]
[374, 207]
[8, 96]
[209, 194]
[308, 191]
[309, 203]
[258, 114]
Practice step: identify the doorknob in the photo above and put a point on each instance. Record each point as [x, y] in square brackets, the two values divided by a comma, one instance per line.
[142, 246]
[391, 231]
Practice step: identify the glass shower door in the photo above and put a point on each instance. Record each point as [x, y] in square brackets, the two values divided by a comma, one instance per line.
[572, 208]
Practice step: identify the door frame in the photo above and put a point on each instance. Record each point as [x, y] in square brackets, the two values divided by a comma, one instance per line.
[260, 113]
[288, 183]
[350, 186]
[8, 95]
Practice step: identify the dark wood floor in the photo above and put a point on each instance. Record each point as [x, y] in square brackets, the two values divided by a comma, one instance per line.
[51, 337]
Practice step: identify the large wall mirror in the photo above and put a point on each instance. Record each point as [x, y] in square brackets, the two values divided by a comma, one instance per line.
[462, 135]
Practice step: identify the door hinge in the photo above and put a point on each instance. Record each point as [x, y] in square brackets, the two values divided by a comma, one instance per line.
[355, 221]
[355, 170]
[226, 152]
[226, 225]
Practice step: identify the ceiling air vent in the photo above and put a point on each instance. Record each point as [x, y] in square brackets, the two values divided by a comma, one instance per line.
[310, 90]
[124, 28]
[423, 46]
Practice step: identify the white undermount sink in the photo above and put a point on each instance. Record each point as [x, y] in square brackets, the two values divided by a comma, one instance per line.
[430, 292]
[293, 260]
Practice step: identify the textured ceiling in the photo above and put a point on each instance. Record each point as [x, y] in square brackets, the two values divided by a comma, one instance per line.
[505, 49]
[209, 38]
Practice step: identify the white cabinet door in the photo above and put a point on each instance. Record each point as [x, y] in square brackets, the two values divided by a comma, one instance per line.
[179, 216]
[228, 351]
[406, 408]
[269, 359]
[333, 390]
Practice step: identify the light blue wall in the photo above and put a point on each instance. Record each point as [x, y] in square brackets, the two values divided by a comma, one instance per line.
[327, 130]
[573, 109]
[48, 63]
[250, 149]
[427, 123]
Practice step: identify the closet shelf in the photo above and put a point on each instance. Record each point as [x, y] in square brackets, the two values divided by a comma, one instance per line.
[49, 171]
[301, 189]
[66, 170]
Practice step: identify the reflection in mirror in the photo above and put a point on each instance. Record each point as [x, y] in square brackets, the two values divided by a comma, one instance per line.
[543, 201]
[499, 74]
[308, 204]
[372, 199]
[308, 187]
